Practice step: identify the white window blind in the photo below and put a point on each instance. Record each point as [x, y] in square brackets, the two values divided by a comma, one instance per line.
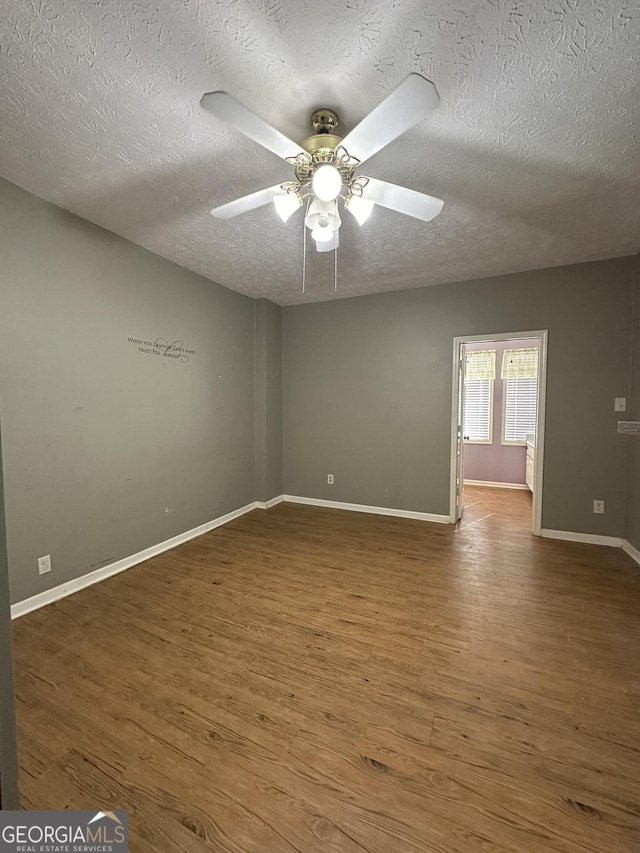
[520, 375]
[480, 371]
[520, 403]
[478, 397]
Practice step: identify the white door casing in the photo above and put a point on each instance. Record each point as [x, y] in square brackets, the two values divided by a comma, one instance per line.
[457, 414]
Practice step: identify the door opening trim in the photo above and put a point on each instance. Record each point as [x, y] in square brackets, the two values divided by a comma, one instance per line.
[542, 336]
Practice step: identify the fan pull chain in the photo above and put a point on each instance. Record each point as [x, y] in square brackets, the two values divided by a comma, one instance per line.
[335, 264]
[304, 245]
[304, 253]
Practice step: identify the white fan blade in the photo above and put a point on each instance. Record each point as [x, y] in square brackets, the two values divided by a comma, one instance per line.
[232, 112]
[407, 105]
[406, 201]
[246, 203]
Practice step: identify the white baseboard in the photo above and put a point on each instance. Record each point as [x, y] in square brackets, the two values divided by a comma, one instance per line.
[68, 588]
[587, 538]
[75, 585]
[375, 510]
[629, 549]
[270, 503]
[493, 485]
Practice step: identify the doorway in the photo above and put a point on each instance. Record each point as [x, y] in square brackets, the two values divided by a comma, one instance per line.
[497, 424]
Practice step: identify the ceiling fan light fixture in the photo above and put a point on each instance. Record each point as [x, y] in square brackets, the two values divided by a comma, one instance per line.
[359, 207]
[322, 235]
[286, 204]
[329, 245]
[323, 214]
[327, 182]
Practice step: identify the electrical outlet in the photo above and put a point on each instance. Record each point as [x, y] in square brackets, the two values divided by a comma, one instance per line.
[44, 564]
[598, 507]
[620, 404]
[330, 479]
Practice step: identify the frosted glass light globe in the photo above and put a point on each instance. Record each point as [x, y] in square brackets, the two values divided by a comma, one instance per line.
[322, 235]
[286, 204]
[327, 182]
[323, 214]
[359, 207]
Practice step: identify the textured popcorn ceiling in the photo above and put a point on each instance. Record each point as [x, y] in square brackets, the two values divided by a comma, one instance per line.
[534, 148]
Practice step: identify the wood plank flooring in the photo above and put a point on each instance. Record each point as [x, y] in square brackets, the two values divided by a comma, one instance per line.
[500, 509]
[305, 679]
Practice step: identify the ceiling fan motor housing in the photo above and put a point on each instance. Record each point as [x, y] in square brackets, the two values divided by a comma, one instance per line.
[323, 148]
[324, 121]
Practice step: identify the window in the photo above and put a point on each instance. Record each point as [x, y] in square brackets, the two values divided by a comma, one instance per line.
[520, 377]
[520, 406]
[480, 371]
[478, 411]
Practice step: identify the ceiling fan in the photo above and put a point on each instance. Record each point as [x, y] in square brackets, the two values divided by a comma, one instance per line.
[325, 165]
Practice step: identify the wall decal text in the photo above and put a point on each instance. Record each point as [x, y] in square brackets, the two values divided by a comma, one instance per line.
[163, 348]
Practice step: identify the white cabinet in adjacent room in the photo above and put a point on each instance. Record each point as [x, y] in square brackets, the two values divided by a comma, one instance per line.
[529, 462]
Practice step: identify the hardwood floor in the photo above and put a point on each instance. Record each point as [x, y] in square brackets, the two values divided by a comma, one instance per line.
[306, 679]
[497, 509]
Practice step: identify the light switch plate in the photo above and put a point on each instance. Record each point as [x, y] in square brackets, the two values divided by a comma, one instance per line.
[621, 404]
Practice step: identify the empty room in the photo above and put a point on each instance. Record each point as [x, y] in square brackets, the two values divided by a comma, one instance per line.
[320, 426]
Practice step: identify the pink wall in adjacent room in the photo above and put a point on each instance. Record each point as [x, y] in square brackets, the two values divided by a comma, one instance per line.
[496, 463]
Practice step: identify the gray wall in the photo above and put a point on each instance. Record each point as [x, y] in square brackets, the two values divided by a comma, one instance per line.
[633, 506]
[367, 389]
[100, 439]
[496, 462]
[109, 449]
[8, 750]
[268, 397]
